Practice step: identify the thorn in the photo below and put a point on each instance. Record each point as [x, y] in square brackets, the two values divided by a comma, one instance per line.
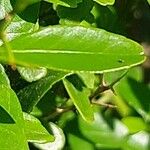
[113, 90]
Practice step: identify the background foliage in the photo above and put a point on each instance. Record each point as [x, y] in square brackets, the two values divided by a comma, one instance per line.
[68, 78]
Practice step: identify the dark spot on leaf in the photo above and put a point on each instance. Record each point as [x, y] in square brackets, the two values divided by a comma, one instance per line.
[121, 61]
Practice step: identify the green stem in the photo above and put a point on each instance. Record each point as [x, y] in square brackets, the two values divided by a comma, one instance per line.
[3, 26]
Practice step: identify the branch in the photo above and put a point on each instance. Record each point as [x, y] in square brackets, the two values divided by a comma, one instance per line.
[103, 104]
[103, 87]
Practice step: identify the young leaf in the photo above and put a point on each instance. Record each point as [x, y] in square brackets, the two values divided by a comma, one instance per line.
[105, 2]
[75, 48]
[31, 95]
[59, 139]
[11, 121]
[34, 130]
[79, 96]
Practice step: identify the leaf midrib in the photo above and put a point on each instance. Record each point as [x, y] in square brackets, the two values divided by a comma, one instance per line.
[55, 51]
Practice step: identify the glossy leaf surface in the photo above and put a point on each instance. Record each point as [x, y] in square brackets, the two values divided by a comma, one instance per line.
[71, 48]
[30, 95]
[34, 130]
[11, 121]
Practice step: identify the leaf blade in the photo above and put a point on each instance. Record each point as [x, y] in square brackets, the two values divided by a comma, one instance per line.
[34, 130]
[105, 2]
[71, 45]
[80, 100]
[13, 126]
[31, 95]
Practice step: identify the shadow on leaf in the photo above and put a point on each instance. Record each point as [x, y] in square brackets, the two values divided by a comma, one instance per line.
[5, 117]
[141, 92]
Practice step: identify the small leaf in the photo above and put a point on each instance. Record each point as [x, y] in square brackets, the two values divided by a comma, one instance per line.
[136, 95]
[59, 139]
[105, 2]
[31, 95]
[12, 128]
[134, 124]
[79, 96]
[72, 48]
[32, 74]
[34, 130]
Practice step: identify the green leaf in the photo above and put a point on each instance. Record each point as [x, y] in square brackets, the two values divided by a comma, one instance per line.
[20, 5]
[88, 79]
[29, 15]
[105, 2]
[56, 97]
[76, 48]
[66, 3]
[3, 77]
[78, 14]
[11, 121]
[134, 124]
[59, 139]
[32, 74]
[34, 130]
[107, 18]
[17, 28]
[138, 141]
[5, 8]
[136, 94]
[148, 1]
[101, 133]
[31, 95]
[78, 143]
[79, 96]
